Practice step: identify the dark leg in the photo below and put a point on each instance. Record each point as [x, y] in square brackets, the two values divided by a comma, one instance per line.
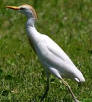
[70, 90]
[46, 89]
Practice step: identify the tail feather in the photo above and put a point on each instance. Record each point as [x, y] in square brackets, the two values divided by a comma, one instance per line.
[79, 76]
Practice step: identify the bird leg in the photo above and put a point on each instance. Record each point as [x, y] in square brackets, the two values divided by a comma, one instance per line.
[70, 90]
[46, 90]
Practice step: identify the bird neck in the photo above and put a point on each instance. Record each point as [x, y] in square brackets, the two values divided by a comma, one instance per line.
[31, 30]
[30, 22]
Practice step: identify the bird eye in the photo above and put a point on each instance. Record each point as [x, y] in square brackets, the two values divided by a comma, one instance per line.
[22, 8]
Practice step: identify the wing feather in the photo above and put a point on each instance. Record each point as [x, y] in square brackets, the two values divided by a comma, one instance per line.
[56, 50]
[56, 60]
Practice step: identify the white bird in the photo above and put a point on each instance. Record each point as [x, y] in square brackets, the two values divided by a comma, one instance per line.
[53, 58]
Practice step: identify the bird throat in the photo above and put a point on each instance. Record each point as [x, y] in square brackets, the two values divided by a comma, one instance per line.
[30, 25]
[30, 22]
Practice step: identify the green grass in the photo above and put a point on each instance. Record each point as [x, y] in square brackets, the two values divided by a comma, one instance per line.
[22, 78]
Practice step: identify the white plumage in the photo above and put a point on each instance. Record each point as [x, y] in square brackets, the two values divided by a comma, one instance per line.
[53, 58]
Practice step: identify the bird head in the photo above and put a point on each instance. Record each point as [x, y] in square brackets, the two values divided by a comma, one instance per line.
[26, 9]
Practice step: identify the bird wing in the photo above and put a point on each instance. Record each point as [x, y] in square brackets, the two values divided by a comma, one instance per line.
[52, 56]
[57, 51]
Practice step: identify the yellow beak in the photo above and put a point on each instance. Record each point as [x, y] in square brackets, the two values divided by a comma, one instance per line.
[13, 7]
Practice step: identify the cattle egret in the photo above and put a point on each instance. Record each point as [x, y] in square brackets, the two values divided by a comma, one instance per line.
[52, 57]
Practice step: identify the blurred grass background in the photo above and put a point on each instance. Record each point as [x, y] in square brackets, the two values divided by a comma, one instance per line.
[22, 78]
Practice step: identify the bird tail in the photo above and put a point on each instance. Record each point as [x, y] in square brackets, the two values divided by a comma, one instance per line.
[79, 77]
[80, 80]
